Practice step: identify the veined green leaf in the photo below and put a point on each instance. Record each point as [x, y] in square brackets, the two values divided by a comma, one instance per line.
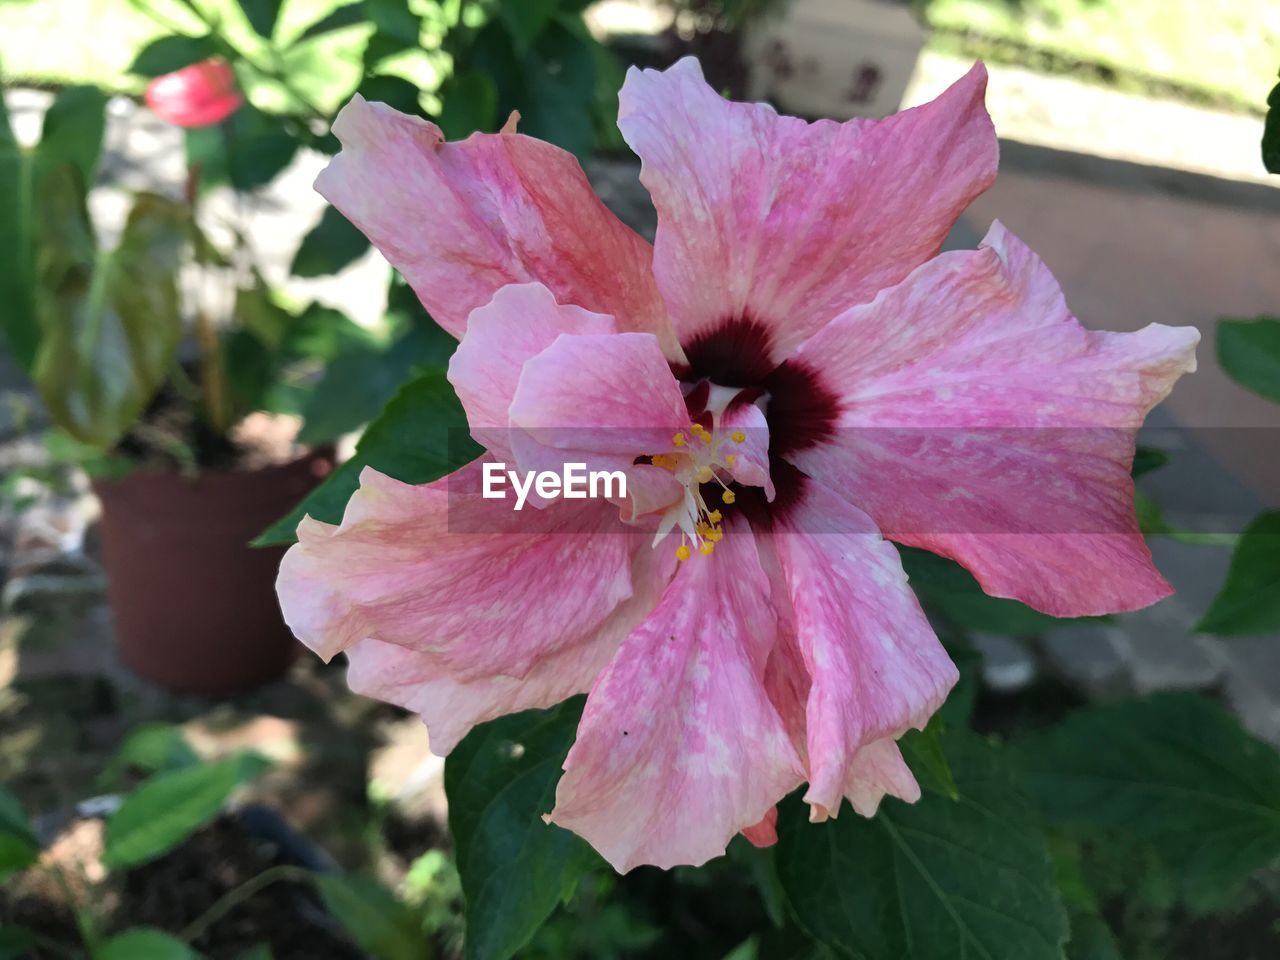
[935, 880]
[110, 322]
[1175, 770]
[72, 134]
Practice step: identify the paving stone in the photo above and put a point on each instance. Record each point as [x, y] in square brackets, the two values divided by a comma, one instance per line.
[1089, 657]
[1007, 665]
[1252, 682]
[1162, 654]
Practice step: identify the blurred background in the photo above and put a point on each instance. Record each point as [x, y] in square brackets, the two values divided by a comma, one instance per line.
[164, 403]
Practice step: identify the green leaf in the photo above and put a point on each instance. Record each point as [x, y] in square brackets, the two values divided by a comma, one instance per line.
[525, 20]
[260, 952]
[110, 321]
[152, 747]
[470, 103]
[1249, 350]
[377, 922]
[262, 15]
[144, 943]
[952, 591]
[420, 436]
[1249, 602]
[1271, 133]
[514, 867]
[16, 943]
[340, 18]
[923, 751]
[72, 134]
[1091, 937]
[1147, 460]
[18, 847]
[332, 244]
[326, 68]
[553, 87]
[171, 53]
[396, 92]
[358, 384]
[931, 881]
[394, 19]
[248, 150]
[1176, 771]
[169, 807]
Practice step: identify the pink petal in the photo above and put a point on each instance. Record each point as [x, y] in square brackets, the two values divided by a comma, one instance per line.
[460, 220]
[467, 582]
[612, 394]
[679, 747]
[519, 322]
[451, 706]
[771, 219]
[875, 667]
[764, 833]
[981, 421]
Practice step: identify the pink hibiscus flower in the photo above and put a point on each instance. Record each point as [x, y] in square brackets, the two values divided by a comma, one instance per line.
[789, 375]
[198, 95]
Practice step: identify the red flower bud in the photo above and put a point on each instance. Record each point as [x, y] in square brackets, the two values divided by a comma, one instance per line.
[196, 96]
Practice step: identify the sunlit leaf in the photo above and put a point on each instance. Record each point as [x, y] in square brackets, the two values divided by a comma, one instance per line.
[170, 807]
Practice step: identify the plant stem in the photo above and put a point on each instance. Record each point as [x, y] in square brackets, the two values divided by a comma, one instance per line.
[212, 387]
[234, 897]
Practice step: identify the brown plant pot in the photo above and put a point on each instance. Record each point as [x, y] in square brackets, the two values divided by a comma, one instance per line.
[195, 606]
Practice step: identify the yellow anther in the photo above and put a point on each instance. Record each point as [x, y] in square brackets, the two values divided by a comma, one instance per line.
[705, 474]
[715, 536]
[714, 516]
[678, 440]
[738, 436]
[730, 460]
[698, 429]
[683, 552]
[728, 496]
[707, 548]
[664, 460]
